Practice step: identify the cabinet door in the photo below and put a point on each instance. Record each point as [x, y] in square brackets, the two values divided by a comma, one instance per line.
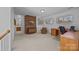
[30, 24]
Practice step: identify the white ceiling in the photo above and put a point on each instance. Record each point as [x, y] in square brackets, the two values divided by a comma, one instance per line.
[36, 11]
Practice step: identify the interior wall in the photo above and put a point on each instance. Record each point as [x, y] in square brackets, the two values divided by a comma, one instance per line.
[4, 18]
[75, 21]
[5, 23]
[75, 15]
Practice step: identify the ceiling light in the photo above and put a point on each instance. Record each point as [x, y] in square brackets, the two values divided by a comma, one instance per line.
[42, 11]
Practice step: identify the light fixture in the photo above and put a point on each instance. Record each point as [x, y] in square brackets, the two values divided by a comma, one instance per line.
[42, 10]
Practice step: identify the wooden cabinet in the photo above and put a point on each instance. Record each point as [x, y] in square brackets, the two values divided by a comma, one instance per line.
[18, 28]
[30, 24]
[54, 31]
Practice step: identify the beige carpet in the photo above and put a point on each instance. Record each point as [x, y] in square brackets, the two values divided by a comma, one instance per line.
[35, 42]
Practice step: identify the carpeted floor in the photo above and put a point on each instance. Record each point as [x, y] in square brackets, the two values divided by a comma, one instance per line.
[35, 42]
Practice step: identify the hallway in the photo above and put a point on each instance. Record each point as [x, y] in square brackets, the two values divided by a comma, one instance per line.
[35, 42]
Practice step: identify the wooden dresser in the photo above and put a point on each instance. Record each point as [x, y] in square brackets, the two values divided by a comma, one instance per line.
[54, 31]
[30, 24]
